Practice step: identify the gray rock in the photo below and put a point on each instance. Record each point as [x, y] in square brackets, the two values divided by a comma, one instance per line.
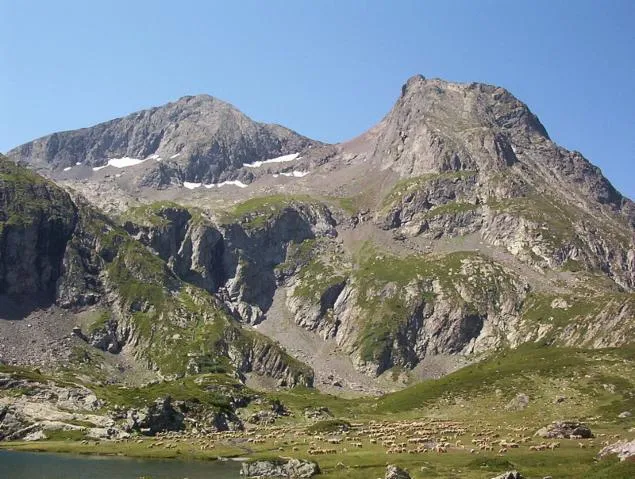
[624, 414]
[625, 450]
[158, 417]
[292, 468]
[520, 402]
[37, 220]
[509, 475]
[395, 472]
[565, 430]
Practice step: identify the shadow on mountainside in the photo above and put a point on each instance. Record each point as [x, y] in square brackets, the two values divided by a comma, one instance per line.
[18, 308]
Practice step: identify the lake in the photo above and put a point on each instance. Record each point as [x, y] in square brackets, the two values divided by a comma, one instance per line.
[31, 465]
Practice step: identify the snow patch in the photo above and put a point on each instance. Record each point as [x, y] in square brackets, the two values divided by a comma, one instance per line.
[275, 175]
[79, 163]
[191, 186]
[279, 159]
[124, 162]
[175, 156]
[238, 183]
[295, 173]
[97, 168]
[68, 168]
[154, 156]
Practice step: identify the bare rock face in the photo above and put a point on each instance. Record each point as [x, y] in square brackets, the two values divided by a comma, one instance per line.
[198, 138]
[191, 247]
[419, 135]
[37, 220]
[472, 158]
[158, 417]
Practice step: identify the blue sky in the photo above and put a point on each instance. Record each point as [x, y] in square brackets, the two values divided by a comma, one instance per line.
[327, 69]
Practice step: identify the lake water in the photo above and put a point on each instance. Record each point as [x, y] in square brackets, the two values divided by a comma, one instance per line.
[29, 465]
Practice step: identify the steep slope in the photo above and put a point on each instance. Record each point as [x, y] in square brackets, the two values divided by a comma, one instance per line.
[138, 307]
[36, 221]
[195, 139]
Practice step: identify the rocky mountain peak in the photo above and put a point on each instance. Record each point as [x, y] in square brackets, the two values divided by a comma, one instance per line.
[475, 104]
[196, 138]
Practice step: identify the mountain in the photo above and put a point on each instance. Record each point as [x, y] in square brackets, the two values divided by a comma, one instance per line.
[197, 138]
[453, 229]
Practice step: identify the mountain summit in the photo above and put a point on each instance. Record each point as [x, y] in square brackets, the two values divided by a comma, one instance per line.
[197, 138]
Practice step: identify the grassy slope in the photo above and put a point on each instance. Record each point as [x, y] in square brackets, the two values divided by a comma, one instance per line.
[597, 386]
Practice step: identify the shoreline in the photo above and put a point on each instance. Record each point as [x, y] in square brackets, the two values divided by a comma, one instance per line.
[124, 451]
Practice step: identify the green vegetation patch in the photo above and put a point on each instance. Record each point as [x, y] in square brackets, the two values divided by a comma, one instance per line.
[28, 198]
[255, 213]
[157, 214]
[212, 390]
[523, 365]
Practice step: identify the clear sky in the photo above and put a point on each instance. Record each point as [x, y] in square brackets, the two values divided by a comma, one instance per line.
[327, 69]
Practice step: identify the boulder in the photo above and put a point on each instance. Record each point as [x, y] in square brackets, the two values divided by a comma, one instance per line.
[263, 417]
[321, 412]
[565, 430]
[292, 468]
[509, 475]
[520, 402]
[625, 450]
[395, 472]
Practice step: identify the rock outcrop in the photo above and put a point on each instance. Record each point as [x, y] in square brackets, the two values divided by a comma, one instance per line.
[395, 472]
[157, 417]
[565, 430]
[624, 450]
[291, 468]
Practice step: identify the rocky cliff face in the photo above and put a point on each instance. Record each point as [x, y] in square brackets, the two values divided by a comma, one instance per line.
[196, 139]
[476, 159]
[37, 219]
[80, 258]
